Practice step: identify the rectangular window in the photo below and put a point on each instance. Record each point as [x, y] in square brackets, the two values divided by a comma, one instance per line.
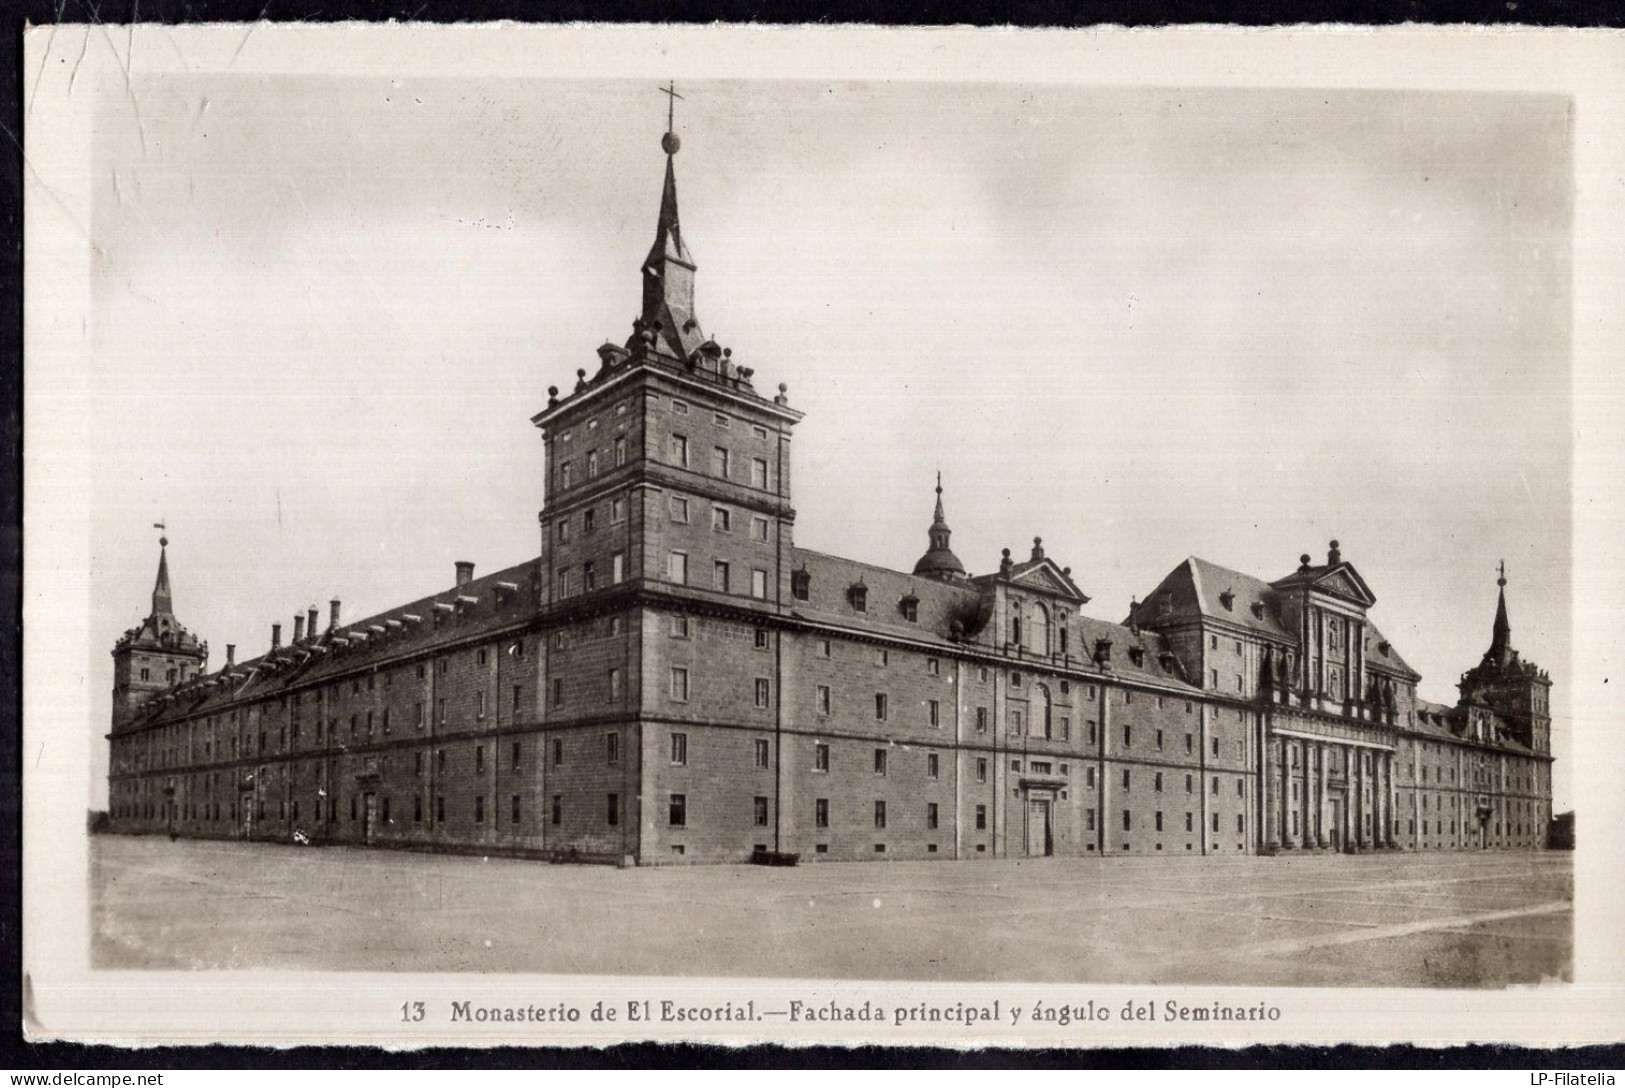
[617, 568]
[439, 810]
[679, 810]
[758, 529]
[981, 719]
[1128, 736]
[1125, 778]
[612, 747]
[981, 770]
[558, 691]
[615, 684]
[679, 684]
[558, 752]
[479, 809]
[620, 450]
[931, 765]
[758, 584]
[719, 576]
[679, 749]
[758, 472]
[821, 758]
[981, 817]
[1159, 819]
[721, 462]
[1128, 820]
[557, 814]
[479, 758]
[880, 761]
[823, 699]
[1156, 783]
[679, 451]
[880, 707]
[679, 509]
[760, 807]
[821, 812]
[931, 816]
[722, 519]
[880, 815]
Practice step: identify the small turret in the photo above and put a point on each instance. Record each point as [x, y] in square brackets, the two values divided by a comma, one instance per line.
[939, 561]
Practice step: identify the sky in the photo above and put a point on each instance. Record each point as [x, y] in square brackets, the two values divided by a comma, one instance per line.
[1143, 324]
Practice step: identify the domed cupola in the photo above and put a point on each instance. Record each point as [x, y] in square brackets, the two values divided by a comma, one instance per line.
[939, 561]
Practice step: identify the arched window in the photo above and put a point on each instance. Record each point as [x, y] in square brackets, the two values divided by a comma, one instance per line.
[1039, 635]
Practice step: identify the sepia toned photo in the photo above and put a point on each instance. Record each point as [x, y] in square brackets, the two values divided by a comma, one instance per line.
[667, 554]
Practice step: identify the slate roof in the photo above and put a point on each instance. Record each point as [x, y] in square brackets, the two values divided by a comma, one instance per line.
[389, 635]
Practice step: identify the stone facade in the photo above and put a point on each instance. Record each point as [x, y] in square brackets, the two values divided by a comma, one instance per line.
[673, 680]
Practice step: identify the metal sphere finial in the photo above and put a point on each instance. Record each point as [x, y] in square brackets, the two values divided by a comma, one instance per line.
[670, 143]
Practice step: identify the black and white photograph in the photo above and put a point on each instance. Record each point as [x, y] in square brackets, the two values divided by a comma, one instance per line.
[808, 549]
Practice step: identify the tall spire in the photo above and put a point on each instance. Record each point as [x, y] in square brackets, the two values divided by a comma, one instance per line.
[1501, 638]
[939, 561]
[668, 271]
[161, 603]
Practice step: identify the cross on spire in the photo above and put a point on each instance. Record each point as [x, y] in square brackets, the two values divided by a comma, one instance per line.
[670, 91]
[1503, 579]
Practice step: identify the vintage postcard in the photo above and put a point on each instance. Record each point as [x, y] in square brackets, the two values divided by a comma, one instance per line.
[569, 535]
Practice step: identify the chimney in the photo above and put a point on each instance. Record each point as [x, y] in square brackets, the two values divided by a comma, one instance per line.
[276, 635]
[310, 622]
[465, 573]
[231, 654]
[333, 620]
[298, 628]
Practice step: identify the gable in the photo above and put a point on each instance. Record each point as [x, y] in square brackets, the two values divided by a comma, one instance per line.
[1345, 581]
[1043, 580]
[1043, 576]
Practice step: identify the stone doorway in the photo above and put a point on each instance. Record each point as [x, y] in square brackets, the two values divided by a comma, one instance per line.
[1040, 827]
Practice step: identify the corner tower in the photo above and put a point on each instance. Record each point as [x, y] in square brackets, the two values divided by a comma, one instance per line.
[156, 655]
[666, 464]
[1518, 691]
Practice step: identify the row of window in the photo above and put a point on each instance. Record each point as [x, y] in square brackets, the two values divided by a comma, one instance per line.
[722, 575]
[589, 519]
[722, 463]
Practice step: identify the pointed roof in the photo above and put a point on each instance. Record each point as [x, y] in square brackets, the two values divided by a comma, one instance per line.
[1501, 634]
[939, 560]
[161, 602]
[160, 629]
[668, 273]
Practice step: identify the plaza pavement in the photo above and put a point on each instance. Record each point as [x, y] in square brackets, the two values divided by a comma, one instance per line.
[1480, 919]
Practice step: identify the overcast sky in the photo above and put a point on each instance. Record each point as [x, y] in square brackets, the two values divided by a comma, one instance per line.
[1143, 324]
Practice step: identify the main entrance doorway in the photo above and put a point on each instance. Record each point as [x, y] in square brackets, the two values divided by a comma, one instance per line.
[1336, 830]
[1040, 828]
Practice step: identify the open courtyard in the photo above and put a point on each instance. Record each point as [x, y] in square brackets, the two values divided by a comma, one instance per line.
[1482, 919]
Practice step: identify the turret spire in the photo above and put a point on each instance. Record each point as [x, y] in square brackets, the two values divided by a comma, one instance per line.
[939, 561]
[668, 271]
[161, 602]
[1501, 637]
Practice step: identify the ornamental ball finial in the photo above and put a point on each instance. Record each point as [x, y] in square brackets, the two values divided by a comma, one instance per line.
[163, 542]
[670, 143]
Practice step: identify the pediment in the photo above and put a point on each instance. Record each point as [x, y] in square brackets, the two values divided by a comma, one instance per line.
[1046, 577]
[1345, 582]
